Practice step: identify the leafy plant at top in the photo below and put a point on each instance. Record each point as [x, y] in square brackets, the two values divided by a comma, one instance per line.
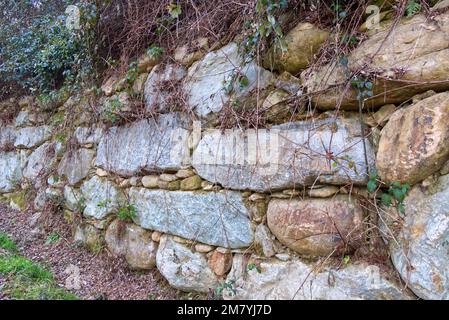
[413, 7]
[264, 26]
[259, 29]
[39, 53]
[396, 191]
[167, 20]
[127, 213]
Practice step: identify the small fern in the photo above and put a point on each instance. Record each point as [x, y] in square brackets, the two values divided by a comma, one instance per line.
[413, 7]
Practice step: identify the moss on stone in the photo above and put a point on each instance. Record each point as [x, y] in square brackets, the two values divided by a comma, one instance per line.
[17, 200]
[191, 183]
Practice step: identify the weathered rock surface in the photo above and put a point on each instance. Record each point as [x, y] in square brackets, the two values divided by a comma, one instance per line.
[412, 59]
[74, 199]
[75, 165]
[147, 144]
[101, 197]
[132, 242]
[323, 192]
[31, 137]
[296, 280]
[10, 172]
[161, 83]
[263, 241]
[86, 135]
[317, 227]
[204, 83]
[89, 236]
[215, 218]
[7, 137]
[414, 143]
[220, 262]
[184, 270]
[40, 162]
[302, 43]
[286, 156]
[420, 251]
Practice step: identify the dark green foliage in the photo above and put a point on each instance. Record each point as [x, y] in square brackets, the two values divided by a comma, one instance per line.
[127, 213]
[395, 192]
[38, 52]
[413, 7]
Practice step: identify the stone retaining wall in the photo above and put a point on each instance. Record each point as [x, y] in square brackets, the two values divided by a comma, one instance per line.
[277, 212]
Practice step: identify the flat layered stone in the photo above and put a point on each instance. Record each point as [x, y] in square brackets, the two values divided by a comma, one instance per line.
[297, 280]
[317, 227]
[41, 161]
[31, 137]
[7, 137]
[101, 198]
[75, 165]
[206, 78]
[10, 172]
[215, 218]
[414, 143]
[326, 151]
[86, 135]
[146, 145]
[160, 85]
[408, 59]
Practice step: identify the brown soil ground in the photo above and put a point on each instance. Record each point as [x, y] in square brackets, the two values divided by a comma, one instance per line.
[102, 276]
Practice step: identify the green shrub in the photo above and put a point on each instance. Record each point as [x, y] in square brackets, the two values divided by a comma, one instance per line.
[38, 52]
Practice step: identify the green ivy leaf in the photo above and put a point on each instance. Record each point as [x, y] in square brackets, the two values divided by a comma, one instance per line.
[386, 199]
[398, 195]
[243, 81]
[371, 186]
[369, 85]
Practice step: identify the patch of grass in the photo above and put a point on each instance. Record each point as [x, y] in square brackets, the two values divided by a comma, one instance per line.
[19, 266]
[52, 238]
[28, 280]
[23, 289]
[7, 243]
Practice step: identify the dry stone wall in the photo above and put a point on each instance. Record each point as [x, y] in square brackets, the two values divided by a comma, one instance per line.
[273, 213]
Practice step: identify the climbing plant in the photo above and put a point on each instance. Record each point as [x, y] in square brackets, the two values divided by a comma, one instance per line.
[395, 192]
